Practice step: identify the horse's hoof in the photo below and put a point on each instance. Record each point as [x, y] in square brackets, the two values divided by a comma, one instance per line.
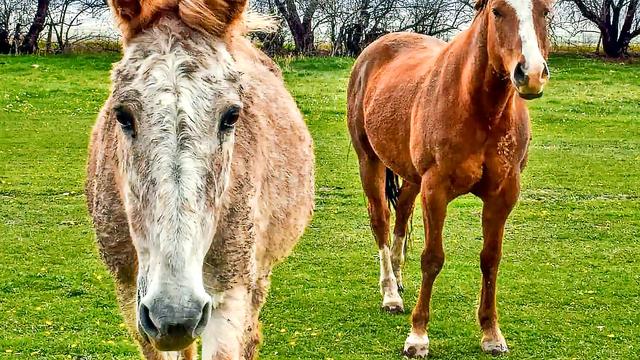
[494, 347]
[416, 346]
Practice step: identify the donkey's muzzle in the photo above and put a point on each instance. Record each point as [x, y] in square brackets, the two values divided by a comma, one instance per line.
[173, 325]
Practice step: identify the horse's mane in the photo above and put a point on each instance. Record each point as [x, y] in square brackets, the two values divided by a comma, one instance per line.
[215, 17]
[481, 4]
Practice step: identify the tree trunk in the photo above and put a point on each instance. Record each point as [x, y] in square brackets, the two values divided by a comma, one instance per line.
[30, 42]
[15, 44]
[5, 46]
[49, 38]
[617, 29]
[301, 30]
[610, 43]
[304, 39]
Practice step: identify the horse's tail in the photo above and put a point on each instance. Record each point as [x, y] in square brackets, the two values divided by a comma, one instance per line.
[392, 188]
[392, 193]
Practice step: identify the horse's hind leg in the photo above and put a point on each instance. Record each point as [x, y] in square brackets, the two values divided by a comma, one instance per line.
[372, 174]
[406, 202]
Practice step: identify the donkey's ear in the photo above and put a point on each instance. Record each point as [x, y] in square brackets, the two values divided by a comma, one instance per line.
[126, 11]
[481, 4]
[134, 15]
[212, 16]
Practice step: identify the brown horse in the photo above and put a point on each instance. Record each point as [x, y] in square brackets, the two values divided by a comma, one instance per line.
[449, 119]
[200, 177]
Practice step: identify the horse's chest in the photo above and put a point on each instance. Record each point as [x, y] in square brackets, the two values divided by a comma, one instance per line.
[492, 162]
[467, 173]
[503, 156]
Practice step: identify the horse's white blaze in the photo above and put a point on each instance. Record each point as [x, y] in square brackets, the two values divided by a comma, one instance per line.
[534, 61]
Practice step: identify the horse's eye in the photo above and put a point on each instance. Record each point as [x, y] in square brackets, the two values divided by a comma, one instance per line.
[125, 119]
[230, 118]
[546, 13]
[496, 12]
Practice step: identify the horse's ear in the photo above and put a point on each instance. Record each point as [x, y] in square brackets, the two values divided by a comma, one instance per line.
[481, 4]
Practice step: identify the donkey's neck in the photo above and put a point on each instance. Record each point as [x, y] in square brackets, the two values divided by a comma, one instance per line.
[488, 92]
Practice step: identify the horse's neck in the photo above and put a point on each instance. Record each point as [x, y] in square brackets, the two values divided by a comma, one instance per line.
[488, 93]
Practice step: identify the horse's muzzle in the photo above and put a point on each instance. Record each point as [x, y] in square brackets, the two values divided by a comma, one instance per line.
[530, 83]
[530, 96]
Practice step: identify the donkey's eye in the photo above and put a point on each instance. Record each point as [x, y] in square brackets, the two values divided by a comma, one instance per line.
[496, 12]
[125, 119]
[230, 118]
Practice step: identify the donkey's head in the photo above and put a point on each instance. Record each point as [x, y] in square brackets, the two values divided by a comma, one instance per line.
[175, 102]
[517, 42]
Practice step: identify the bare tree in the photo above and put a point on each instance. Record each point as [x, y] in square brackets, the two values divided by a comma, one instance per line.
[66, 16]
[299, 17]
[30, 41]
[354, 24]
[13, 15]
[617, 20]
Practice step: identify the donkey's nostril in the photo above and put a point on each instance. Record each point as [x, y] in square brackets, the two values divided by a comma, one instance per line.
[148, 326]
[204, 319]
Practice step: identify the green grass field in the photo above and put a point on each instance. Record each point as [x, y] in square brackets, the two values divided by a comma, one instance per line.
[569, 286]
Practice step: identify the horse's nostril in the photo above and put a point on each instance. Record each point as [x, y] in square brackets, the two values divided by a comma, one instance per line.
[520, 76]
[148, 326]
[545, 71]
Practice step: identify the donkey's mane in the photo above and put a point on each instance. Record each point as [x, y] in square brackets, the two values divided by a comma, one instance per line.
[215, 17]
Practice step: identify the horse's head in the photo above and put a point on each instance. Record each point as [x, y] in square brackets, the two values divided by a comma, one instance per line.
[518, 43]
[174, 105]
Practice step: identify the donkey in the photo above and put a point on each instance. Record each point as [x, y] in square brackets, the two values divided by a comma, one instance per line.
[448, 119]
[200, 177]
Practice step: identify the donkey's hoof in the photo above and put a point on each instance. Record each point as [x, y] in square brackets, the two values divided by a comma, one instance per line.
[416, 346]
[494, 347]
[393, 304]
[393, 309]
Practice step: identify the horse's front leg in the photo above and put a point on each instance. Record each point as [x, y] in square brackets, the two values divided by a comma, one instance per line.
[435, 198]
[497, 206]
[225, 336]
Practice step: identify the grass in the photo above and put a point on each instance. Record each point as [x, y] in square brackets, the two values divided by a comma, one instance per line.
[570, 275]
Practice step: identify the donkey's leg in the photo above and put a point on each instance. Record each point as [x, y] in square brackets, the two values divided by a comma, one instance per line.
[406, 202]
[224, 337]
[434, 208]
[253, 337]
[372, 174]
[494, 215]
